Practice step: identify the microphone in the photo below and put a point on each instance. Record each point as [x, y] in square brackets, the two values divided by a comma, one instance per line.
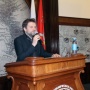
[36, 33]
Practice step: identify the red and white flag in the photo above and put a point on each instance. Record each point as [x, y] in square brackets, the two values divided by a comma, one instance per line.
[33, 12]
[40, 23]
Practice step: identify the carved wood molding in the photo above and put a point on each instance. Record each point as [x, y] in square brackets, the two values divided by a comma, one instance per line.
[73, 21]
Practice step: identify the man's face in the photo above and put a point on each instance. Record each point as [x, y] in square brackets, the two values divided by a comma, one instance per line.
[31, 28]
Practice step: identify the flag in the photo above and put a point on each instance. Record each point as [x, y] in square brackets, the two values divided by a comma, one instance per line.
[40, 23]
[33, 12]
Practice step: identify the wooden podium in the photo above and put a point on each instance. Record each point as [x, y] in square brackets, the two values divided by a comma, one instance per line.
[47, 73]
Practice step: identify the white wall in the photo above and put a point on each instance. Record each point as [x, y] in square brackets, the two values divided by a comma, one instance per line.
[74, 8]
[79, 9]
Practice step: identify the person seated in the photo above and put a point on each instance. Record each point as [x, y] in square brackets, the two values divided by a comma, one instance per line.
[29, 44]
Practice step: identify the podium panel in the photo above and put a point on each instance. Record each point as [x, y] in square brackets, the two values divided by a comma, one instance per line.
[47, 73]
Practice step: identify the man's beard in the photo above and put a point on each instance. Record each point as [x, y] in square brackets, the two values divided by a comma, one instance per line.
[34, 33]
[31, 35]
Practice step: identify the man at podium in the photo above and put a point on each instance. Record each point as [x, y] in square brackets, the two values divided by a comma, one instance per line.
[29, 44]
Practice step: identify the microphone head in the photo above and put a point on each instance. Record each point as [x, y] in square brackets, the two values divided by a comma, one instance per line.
[34, 33]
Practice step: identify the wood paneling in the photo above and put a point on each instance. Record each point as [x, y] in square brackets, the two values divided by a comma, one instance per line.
[73, 21]
[51, 25]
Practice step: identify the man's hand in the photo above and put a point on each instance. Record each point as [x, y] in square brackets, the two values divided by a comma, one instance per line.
[56, 55]
[35, 40]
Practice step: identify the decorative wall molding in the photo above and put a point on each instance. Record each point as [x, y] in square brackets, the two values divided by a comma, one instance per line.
[73, 21]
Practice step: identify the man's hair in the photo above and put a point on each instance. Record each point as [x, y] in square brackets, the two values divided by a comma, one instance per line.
[25, 22]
